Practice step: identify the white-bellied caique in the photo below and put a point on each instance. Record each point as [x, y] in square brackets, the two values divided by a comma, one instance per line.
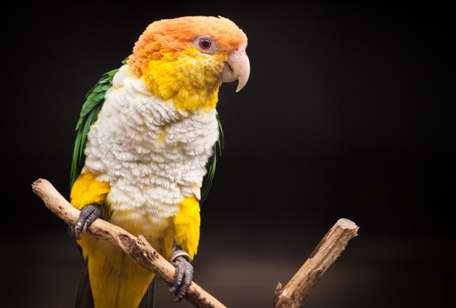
[146, 139]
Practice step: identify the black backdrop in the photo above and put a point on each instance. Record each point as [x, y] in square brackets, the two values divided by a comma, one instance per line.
[346, 114]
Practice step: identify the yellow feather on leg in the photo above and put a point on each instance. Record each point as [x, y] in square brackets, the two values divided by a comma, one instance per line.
[88, 190]
[187, 225]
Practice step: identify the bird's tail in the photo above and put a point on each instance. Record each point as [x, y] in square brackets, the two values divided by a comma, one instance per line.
[84, 298]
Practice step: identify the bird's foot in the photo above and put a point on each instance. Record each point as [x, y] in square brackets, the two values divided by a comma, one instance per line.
[184, 275]
[88, 214]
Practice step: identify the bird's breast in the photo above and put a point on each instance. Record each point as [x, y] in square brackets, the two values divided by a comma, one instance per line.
[152, 154]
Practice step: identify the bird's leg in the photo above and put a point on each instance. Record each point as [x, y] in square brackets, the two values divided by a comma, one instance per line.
[88, 214]
[184, 274]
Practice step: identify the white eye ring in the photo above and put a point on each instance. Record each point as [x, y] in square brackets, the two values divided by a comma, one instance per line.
[206, 44]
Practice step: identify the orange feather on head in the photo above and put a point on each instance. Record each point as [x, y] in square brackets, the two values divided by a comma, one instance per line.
[173, 36]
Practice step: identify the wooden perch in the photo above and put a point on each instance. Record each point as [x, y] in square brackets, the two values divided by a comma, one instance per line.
[292, 295]
[137, 247]
[327, 251]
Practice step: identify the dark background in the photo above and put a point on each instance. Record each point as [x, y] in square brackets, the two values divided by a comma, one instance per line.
[347, 113]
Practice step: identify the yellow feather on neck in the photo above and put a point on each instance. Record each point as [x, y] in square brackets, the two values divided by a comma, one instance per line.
[190, 79]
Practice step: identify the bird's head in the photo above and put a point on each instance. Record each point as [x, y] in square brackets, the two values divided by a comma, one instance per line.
[186, 59]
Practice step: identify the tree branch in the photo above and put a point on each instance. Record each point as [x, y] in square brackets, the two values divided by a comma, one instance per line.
[327, 251]
[292, 295]
[137, 248]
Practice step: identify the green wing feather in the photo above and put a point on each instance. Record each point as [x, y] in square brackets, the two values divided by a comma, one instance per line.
[89, 114]
[218, 146]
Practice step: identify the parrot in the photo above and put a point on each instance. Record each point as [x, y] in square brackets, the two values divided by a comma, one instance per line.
[146, 144]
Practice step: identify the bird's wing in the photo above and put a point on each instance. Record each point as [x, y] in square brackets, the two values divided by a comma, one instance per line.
[209, 178]
[89, 114]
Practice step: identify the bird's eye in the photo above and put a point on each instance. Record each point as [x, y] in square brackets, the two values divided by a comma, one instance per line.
[205, 44]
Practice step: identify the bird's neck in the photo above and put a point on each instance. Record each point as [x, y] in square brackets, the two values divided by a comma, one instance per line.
[189, 78]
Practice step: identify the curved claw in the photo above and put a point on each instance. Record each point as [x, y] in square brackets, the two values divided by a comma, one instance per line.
[70, 231]
[182, 280]
[88, 214]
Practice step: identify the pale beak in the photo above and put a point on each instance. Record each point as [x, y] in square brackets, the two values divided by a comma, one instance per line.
[237, 67]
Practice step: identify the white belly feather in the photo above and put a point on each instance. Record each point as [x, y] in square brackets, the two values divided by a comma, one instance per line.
[152, 154]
